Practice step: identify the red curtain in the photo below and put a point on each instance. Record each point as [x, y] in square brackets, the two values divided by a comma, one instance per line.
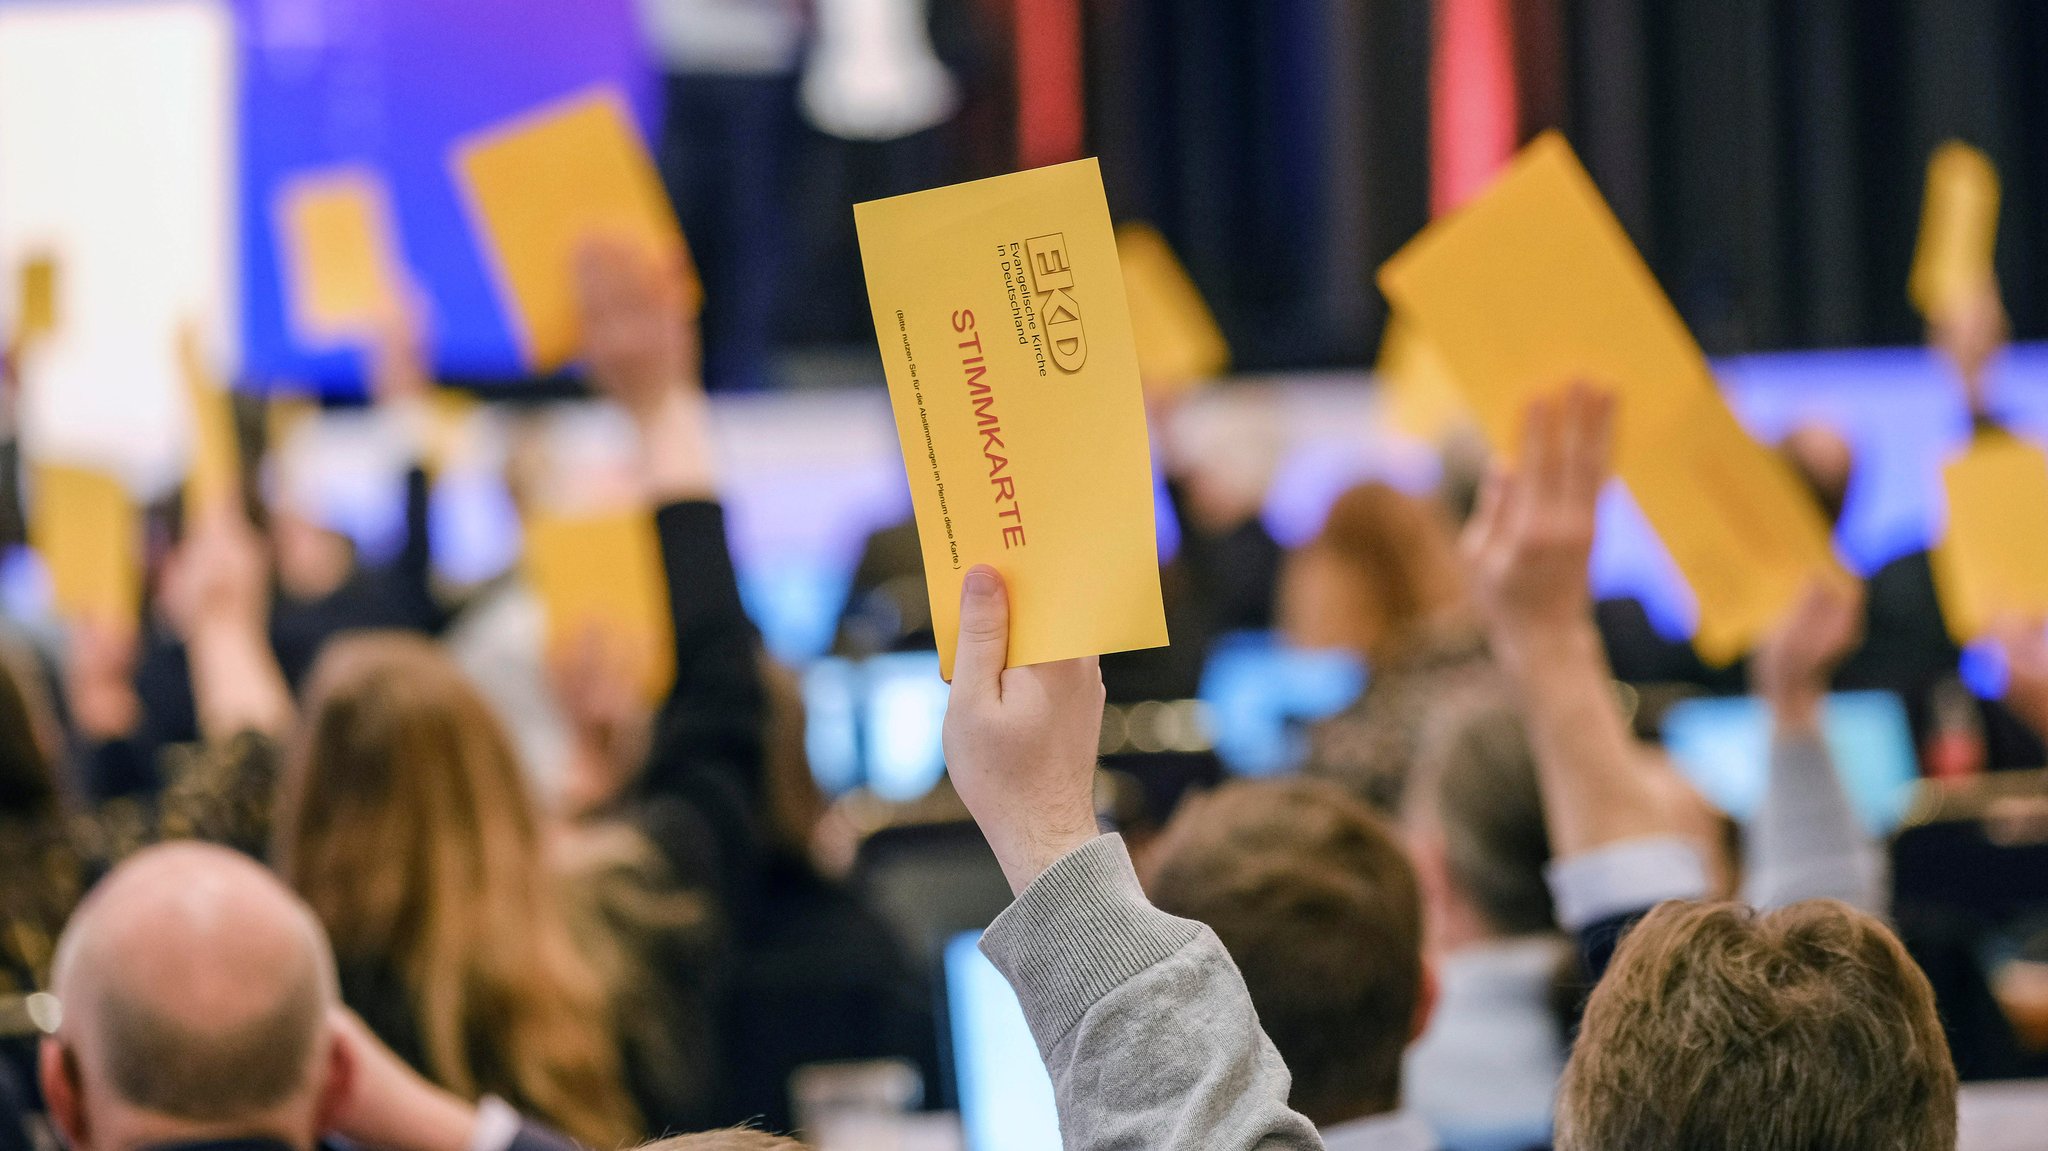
[1050, 121]
[1474, 110]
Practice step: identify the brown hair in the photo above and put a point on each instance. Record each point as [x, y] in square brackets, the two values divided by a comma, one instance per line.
[1720, 1028]
[1315, 901]
[792, 805]
[1402, 550]
[404, 821]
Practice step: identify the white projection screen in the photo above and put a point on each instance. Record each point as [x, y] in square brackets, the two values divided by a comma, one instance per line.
[117, 163]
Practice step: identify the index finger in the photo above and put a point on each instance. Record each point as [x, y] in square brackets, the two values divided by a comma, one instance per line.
[1588, 435]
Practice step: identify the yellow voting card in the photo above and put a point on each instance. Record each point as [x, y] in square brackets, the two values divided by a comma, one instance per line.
[1958, 230]
[1739, 525]
[1179, 344]
[214, 479]
[1534, 284]
[1992, 560]
[540, 185]
[1007, 343]
[599, 577]
[1421, 400]
[86, 527]
[344, 274]
[37, 316]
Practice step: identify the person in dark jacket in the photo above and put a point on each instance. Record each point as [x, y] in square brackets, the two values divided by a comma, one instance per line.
[564, 966]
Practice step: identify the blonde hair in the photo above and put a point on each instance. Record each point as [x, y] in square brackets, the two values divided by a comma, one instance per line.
[404, 821]
[735, 1139]
[1719, 1028]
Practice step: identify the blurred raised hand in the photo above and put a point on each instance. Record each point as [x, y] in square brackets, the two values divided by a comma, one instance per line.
[641, 351]
[1970, 334]
[1794, 666]
[398, 355]
[99, 680]
[598, 686]
[2024, 643]
[1530, 541]
[217, 597]
[639, 339]
[219, 576]
[1527, 550]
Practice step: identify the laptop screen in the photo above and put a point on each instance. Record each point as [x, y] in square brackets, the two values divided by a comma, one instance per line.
[1006, 1099]
[1723, 746]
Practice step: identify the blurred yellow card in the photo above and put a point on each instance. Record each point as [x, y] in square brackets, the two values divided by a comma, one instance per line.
[1738, 523]
[86, 527]
[600, 578]
[339, 242]
[541, 184]
[999, 306]
[1179, 344]
[1958, 230]
[1422, 401]
[38, 308]
[1992, 560]
[1534, 284]
[214, 479]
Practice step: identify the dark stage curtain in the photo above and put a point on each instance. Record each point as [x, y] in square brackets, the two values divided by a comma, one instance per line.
[1767, 155]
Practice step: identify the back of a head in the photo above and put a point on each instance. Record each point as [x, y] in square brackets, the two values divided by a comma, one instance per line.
[405, 822]
[1479, 792]
[1719, 1028]
[1316, 902]
[195, 989]
[403, 804]
[1404, 543]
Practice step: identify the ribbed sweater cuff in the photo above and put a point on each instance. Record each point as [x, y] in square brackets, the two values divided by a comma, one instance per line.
[1080, 931]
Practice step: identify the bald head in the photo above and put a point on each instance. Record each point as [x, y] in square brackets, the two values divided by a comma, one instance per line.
[195, 987]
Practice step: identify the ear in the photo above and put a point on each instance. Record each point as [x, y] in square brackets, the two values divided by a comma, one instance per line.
[1425, 1001]
[1427, 854]
[337, 1082]
[57, 1071]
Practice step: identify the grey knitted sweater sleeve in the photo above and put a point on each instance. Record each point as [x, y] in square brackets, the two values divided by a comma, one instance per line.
[1805, 841]
[1142, 1018]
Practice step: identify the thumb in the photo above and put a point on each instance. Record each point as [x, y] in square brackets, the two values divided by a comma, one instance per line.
[984, 648]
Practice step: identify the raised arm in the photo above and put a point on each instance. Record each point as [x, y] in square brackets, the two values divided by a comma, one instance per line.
[2024, 644]
[1620, 845]
[1805, 841]
[1970, 335]
[640, 349]
[218, 599]
[401, 382]
[641, 352]
[383, 1103]
[1141, 1017]
[219, 603]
